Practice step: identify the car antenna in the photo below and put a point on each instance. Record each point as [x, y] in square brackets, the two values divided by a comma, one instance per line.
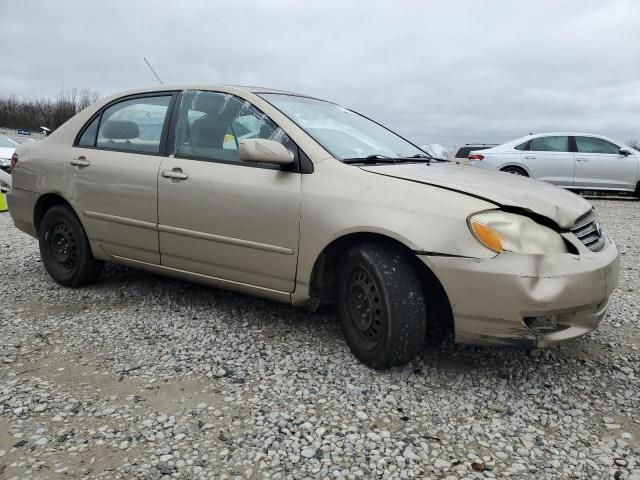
[151, 68]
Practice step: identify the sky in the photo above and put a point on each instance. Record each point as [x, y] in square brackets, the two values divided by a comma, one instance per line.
[449, 72]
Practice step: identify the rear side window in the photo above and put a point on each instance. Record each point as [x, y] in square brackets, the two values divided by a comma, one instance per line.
[549, 144]
[134, 125]
[596, 145]
[524, 146]
[88, 138]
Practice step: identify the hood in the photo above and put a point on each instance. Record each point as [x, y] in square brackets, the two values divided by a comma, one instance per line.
[557, 204]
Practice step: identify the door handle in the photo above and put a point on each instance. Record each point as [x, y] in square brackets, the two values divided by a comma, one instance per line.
[80, 162]
[529, 158]
[175, 174]
[581, 160]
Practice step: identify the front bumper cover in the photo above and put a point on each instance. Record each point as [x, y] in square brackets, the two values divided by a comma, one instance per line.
[499, 301]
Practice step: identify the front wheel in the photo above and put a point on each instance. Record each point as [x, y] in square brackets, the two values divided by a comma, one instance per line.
[65, 250]
[381, 306]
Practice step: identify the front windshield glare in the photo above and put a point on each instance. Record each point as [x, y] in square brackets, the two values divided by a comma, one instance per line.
[343, 133]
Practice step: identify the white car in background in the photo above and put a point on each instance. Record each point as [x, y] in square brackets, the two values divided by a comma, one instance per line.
[7, 147]
[5, 181]
[435, 150]
[461, 153]
[577, 161]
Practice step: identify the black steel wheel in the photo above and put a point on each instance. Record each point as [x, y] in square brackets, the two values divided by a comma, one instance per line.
[381, 305]
[65, 250]
[63, 246]
[365, 308]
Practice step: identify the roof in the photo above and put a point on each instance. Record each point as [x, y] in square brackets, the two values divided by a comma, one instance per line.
[565, 134]
[246, 88]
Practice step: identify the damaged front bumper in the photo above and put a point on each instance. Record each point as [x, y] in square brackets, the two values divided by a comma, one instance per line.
[529, 301]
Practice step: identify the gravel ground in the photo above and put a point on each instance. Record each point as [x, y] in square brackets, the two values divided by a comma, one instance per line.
[141, 376]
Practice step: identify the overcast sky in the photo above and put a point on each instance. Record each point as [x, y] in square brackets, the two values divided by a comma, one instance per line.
[445, 72]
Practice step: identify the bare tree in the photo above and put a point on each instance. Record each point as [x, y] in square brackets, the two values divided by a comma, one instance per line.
[33, 113]
[635, 144]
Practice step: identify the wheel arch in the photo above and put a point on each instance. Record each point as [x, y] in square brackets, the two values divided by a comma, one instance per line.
[47, 201]
[515, 165]
[323, 280]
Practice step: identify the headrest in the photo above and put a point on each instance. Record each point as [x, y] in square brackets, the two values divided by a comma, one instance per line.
[208, 132]
[120, 130]
[220, 104]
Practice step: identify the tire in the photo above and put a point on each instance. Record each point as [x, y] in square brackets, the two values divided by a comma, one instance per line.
[65, 250]
[515, 171]
[381, 306]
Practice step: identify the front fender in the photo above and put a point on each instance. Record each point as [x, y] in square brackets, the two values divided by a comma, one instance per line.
[423, 218]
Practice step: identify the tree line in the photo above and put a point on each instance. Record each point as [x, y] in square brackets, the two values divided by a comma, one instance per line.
[33, 113]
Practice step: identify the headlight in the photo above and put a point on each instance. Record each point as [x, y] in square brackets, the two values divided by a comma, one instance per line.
[508, 232]
[5, 162]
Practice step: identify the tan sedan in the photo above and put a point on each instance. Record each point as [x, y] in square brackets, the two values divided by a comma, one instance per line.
[303, 201]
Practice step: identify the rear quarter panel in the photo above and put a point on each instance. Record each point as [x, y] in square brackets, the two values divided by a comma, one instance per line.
[41, 170]
[499, 160]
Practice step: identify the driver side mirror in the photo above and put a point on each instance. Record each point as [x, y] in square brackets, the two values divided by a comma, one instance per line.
[624, 151]
[260, 150]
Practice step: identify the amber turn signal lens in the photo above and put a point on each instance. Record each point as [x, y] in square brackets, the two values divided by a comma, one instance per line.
[488, 236]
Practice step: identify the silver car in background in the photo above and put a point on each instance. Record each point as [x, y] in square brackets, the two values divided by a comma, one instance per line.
[578, 161]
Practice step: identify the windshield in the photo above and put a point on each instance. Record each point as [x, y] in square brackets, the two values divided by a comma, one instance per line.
[7, 142]
[343, 133]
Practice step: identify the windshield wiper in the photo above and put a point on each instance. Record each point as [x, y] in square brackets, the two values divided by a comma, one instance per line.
[377, 158]
[371, 159]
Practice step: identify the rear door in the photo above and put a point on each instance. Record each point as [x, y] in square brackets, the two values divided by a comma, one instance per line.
[549, 158]
[599, 164]
[219, 216]
[113, 175]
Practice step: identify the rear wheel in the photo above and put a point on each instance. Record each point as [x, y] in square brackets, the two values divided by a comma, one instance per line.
[381, 306]
[65, 250]
[515, 171]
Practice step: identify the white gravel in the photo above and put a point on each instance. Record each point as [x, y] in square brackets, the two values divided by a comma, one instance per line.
[141, 376]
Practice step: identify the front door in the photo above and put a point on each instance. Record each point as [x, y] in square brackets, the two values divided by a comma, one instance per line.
[599, 164]
[113, 175]
[219, 216]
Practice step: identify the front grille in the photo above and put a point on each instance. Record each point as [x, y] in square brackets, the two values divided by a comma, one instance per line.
[589, 231]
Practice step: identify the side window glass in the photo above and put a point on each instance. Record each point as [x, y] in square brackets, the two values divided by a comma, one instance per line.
[134, 125]
[595, 145]
[88, 138]
[549, 144]
[524, 146]
[211, 126]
